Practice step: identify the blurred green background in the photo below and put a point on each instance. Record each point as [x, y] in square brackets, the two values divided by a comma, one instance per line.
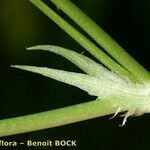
[22, 25]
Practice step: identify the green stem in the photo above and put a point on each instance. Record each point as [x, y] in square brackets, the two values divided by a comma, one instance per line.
[83, 41]
[103, 39]
[54, 118]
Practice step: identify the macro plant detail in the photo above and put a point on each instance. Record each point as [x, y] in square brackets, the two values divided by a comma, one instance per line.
[117, 86]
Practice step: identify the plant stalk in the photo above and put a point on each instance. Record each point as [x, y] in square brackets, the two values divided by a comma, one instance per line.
[103, 39]
[83, 41]
[55, 118]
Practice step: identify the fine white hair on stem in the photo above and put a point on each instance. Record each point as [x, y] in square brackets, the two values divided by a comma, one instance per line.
[116, 113]
[128, 114]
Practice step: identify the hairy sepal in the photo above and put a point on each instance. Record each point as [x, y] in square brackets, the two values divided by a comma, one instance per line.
[86, 64]
[135, 98]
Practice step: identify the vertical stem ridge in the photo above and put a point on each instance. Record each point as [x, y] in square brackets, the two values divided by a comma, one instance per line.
[83, 41]
[103, 39]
